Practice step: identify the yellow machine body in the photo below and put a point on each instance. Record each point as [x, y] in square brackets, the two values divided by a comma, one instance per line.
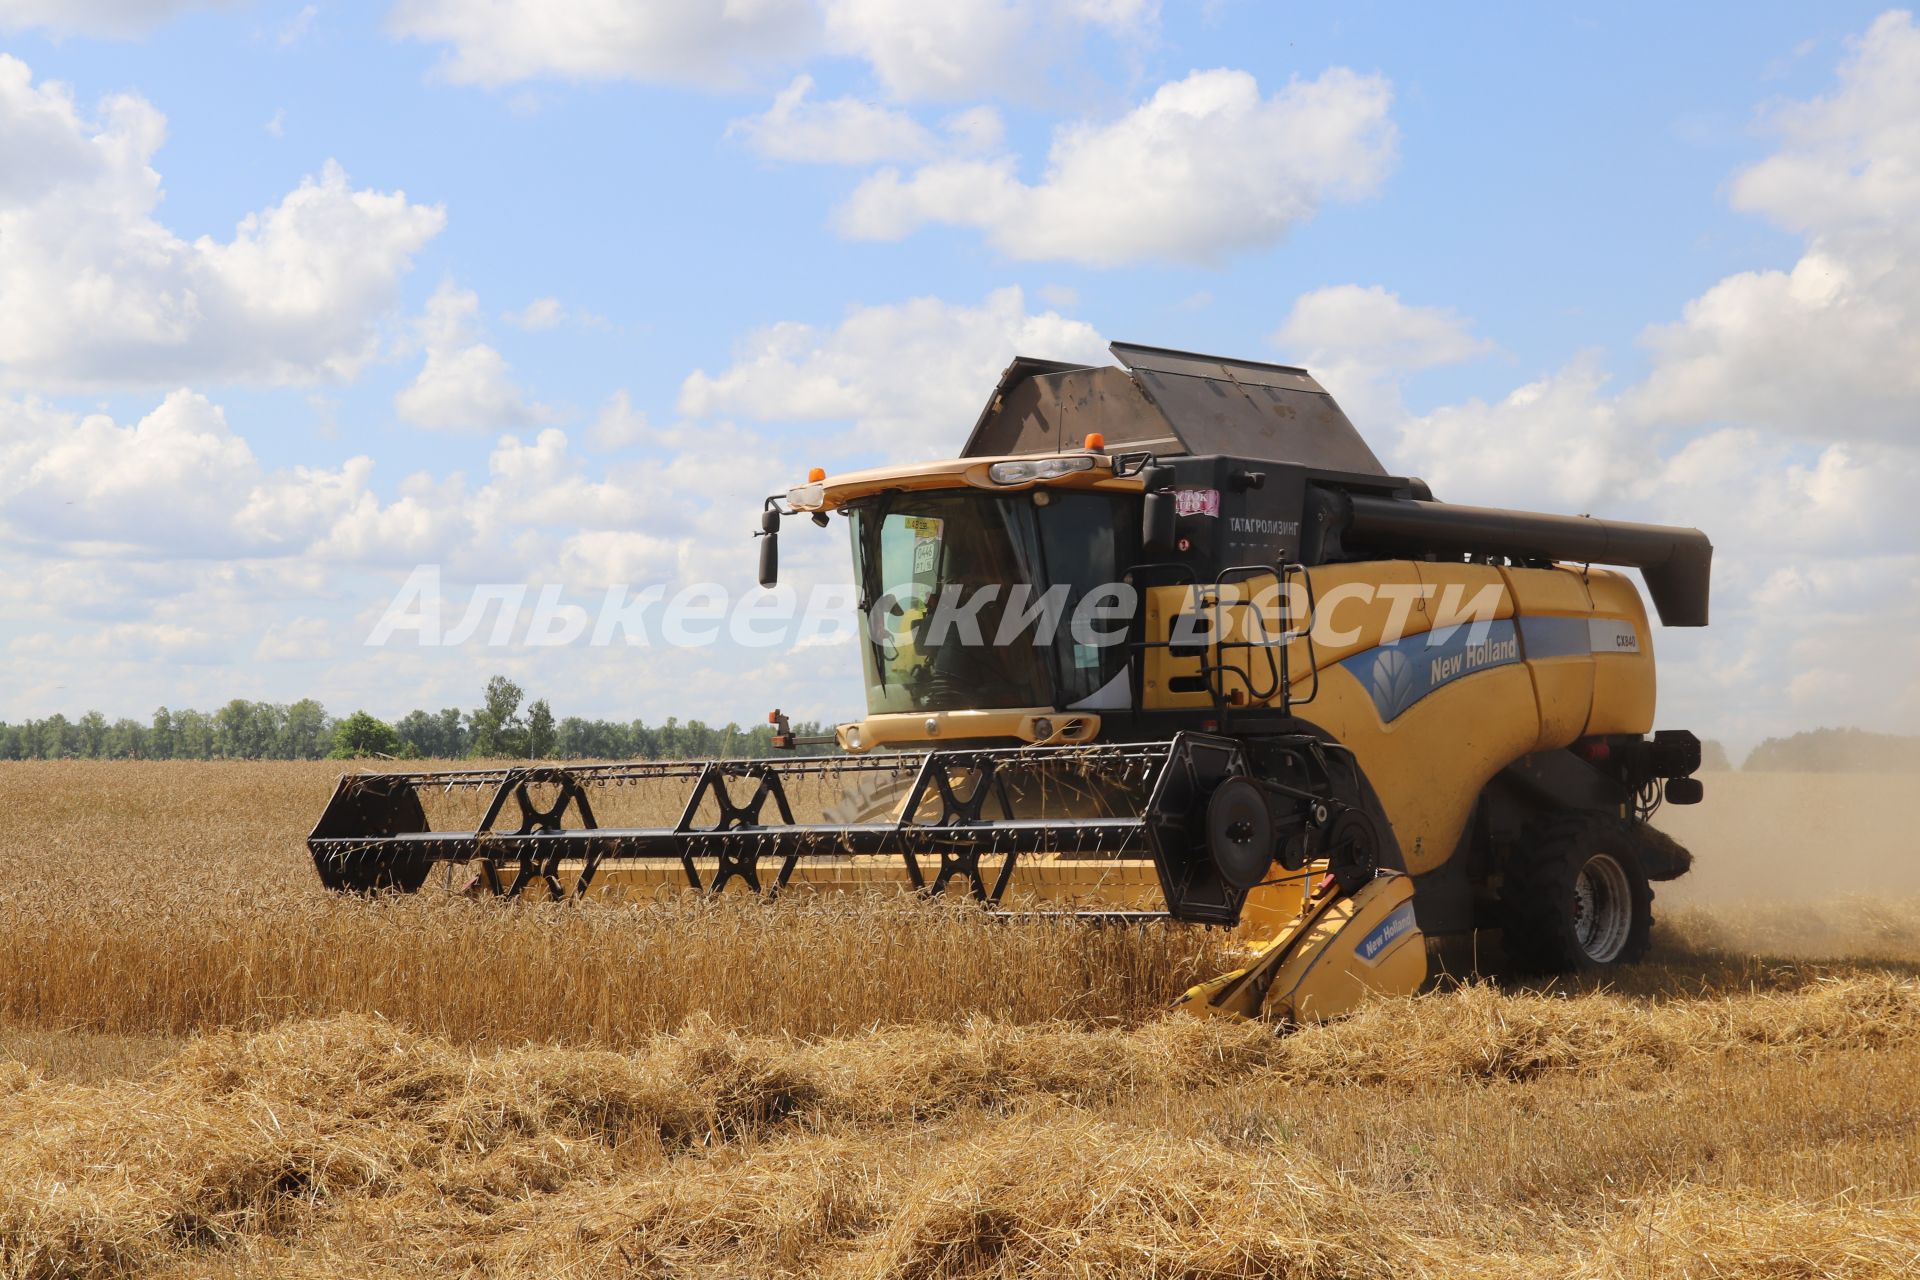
[1444, 680]
[1337, 951]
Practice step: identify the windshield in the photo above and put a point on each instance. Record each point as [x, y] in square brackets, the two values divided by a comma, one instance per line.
[969, 597]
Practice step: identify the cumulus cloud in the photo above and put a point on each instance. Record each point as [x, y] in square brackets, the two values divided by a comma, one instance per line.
[496, 42]
[907, 378]
[834, 131]
[1777, 415]
[113, 18]
[1371, 324]
[1814, 565]
[537, 316]
[619, 424]
[851, 131]
[1829, 348]
[134, 548]
[966, 47]
[178, 482]
[1848, 158]
[1361, 341]
[958, 49]
[464, 384]
[1205, 167]
[302, 639]
[1557, 443]
[94, 292]
[127, 641]
[131, 504]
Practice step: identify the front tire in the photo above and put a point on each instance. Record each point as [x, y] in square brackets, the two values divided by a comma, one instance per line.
[1576, 896]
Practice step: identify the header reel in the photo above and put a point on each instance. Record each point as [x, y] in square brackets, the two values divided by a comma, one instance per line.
[1007, 823]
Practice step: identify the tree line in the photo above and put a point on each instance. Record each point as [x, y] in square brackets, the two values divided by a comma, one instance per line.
[500, 727]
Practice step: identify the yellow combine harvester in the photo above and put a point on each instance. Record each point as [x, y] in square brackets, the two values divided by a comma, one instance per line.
[1166, 641]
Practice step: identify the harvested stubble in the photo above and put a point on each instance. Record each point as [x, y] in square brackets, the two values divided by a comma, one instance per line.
[427, 1086]
[1172, 1148]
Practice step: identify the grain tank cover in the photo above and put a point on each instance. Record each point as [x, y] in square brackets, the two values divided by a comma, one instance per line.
[1172, 402]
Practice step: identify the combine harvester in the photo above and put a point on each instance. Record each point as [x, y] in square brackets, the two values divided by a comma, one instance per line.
[1357, 724]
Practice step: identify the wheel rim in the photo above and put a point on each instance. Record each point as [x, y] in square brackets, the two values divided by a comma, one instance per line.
[1602, 908]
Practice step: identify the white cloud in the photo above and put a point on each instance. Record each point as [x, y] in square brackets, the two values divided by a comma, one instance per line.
[962, 48]
[178, 482]
[908, 378]
[496, 42]
[297, 640]
[538, 315]
[115, 18]
[850, 131]
[1360, 342]
[1207, 166]
[166, 641]
[958, 49]
[298, 27]
[835, 131]
[619, 424]
[1777, 415]
[946, 50]
[464, 384]
[1371, 325]
[94, 292]
[1852, 158]
[1829, 348]
[1556, 443]
[1815, 571]
[162, 555]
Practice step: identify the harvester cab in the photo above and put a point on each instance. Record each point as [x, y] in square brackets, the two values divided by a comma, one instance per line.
[1167, 641]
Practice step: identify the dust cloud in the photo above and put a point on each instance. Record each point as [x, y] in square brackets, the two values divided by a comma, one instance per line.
[1783, 837]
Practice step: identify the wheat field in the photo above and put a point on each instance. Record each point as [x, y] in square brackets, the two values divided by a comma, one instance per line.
[210, 1068]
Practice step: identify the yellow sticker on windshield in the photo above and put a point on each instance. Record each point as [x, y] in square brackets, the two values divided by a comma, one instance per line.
[924, 526]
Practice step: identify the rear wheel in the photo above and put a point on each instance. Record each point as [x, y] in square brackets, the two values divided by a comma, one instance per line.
[1576, 896]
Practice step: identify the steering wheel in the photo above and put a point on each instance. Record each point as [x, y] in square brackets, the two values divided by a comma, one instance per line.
[889, 650]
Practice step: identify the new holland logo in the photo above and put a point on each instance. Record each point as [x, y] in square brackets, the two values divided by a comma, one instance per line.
[1398, 675]
[1392, 683]
[1397, 925]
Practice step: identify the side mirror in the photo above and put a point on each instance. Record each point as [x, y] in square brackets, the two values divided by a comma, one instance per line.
[769, 547]
[1156, 524]
[1685, 791]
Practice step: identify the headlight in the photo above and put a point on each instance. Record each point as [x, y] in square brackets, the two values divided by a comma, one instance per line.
[1028, 470]
[808, 497]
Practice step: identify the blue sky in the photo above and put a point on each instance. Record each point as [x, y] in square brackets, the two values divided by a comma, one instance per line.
[1547, 259]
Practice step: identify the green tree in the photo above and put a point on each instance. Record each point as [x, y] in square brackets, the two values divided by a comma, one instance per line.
[162, 738]
[126, 740]
[497, 727]
[195, 741]
[362, 735]
[92, 735]
[416, 730]
[540, 730]
[303, 731]
[452, 734]
[54, 737]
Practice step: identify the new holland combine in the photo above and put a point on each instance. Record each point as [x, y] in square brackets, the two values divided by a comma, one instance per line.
[1165, 641]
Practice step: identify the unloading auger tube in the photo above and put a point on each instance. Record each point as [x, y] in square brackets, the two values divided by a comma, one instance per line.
[1301, 736]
